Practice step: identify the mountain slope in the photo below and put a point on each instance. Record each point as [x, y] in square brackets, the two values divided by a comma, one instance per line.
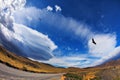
[107, 71]
[25, 64]
[111, 63]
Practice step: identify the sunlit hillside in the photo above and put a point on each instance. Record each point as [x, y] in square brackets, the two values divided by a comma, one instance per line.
[107, 71]
[25, 64]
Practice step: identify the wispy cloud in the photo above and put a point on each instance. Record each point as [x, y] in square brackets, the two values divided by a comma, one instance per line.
[67, 61]
[85, 60]
[106, 43]
[56, 20]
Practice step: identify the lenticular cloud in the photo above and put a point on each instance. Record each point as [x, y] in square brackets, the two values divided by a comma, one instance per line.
[20, 39]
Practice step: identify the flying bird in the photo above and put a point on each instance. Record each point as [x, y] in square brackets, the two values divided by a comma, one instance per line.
[93, 41]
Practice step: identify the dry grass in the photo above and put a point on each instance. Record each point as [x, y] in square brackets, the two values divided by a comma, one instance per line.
[25, 64]
[98, 73]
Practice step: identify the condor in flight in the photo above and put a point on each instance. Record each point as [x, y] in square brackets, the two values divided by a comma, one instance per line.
[93, 41]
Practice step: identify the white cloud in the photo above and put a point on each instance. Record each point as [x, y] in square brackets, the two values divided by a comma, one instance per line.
[84, 60]
[30, 42]
[104, 49]
[57, 8]
[67, 61]
[106, 57]
[27, 15]
[7, 8]
[67, 24]
[19, 38]
[105, 43]
[50, 18]
[49, 8]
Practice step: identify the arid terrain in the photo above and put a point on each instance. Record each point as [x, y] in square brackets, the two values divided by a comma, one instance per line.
[107, 71]
[7, 73]
[14, 67]
[22, 63]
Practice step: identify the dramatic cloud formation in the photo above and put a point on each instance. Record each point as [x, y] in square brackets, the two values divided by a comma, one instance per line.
[36, 45]
[97, 54]
[20, 39]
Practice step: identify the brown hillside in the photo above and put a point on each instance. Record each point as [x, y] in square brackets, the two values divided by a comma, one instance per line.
[111, 63]
[25, 64]
[107, 71]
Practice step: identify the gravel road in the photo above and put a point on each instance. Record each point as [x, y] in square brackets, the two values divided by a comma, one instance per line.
[7, 73]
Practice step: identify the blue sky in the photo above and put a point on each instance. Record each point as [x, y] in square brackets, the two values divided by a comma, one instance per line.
[60, 32]
[102, 16]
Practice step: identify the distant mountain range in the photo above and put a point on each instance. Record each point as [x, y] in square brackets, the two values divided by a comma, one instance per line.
[111, 63]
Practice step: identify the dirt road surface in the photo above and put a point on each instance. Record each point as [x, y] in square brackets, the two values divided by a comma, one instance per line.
[7, 73]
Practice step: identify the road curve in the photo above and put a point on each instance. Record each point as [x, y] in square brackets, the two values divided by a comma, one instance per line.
[7, 73]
